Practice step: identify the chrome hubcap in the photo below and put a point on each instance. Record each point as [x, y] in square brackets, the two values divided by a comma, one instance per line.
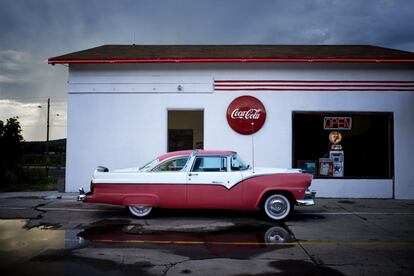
[141, 209]
[277, 206]
[276, 234]
[274, 237]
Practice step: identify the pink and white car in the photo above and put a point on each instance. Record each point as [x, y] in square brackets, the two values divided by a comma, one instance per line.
[200, 179]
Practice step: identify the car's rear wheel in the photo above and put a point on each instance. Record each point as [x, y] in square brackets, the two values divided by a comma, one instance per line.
[140, 211]
[277, 207]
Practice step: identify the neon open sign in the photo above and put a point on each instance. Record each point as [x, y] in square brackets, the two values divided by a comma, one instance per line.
[338, 123]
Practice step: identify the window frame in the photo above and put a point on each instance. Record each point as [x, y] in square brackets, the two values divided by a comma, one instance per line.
[391, 133]
[203, 156]
[230, 157]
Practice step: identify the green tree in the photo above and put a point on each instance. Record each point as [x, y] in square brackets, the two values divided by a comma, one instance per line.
[10, 151]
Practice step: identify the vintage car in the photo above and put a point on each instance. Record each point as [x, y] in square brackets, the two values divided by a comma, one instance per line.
[201, 179]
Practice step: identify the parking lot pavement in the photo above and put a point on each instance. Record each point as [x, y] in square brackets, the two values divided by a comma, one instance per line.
[361, 236]
[335, 237]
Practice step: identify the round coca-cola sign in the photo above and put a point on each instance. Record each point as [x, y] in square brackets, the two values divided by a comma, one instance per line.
[246, 115]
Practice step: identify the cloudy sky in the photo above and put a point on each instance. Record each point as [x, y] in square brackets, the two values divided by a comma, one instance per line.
[31, 31]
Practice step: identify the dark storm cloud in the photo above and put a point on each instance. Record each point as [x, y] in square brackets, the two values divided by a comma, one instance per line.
[32, 31]
[58, 26]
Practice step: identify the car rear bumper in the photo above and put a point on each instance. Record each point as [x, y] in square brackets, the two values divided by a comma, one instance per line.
[82, 195]
[308, 200]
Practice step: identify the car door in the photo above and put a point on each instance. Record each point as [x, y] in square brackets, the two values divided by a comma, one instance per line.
[168, 182]
[211, 185]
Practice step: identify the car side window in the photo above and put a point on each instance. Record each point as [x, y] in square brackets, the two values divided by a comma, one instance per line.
[172, 165]
[210, 164]
[237, 164]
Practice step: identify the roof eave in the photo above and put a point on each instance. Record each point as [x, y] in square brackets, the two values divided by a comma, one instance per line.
[223, 60]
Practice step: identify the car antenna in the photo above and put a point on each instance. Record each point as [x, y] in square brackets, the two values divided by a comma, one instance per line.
[252, 123]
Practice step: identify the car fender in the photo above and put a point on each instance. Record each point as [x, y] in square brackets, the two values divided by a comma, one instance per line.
[291, 192]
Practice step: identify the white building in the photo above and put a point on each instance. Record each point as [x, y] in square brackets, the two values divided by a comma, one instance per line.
[128, 104]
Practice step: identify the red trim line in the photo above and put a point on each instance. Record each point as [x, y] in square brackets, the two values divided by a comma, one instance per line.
[313, 85]
[310, 89]
[189, 60]
[315, 81]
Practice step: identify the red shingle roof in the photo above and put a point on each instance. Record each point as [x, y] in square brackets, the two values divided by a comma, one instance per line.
[234, 53]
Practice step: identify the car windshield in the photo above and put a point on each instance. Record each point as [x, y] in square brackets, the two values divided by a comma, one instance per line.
[149, 165]
[237, 164]
[171, 164]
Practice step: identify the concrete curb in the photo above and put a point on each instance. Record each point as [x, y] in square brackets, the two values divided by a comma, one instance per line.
[50, 195]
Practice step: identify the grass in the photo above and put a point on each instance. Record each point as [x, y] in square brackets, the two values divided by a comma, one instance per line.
[30, 180]
[37, 184]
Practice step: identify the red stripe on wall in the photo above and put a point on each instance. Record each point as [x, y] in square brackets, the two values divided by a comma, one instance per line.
[311, 89]
[313, 85]
[313, 81]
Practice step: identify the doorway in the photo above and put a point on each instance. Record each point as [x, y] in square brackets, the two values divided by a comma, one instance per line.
[185, 129]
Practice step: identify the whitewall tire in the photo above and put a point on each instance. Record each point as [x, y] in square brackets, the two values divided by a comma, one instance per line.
[277, 207]
[140, 211]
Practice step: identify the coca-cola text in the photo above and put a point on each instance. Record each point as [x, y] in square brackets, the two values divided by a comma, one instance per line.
[251, 114]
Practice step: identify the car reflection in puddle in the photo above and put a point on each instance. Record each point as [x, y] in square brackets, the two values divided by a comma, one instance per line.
[235, 242]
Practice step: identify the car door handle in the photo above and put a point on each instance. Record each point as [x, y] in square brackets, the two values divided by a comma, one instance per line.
[217, 182]
[190, 174]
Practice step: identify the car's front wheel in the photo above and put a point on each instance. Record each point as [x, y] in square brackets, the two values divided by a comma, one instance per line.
[140, 211]
[277, 207]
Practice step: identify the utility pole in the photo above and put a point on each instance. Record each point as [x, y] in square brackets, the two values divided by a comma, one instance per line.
[47, 138]
[252, 123]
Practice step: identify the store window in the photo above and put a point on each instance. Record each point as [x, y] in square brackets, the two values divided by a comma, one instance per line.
[185, 129]
[343, 144]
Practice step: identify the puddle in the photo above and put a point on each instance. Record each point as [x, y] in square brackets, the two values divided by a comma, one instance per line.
[125, 248]
[263, 235]
[236, 242]
[18, 244]
[45, 250]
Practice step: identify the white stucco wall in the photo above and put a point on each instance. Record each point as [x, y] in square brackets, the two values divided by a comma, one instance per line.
[117, 116]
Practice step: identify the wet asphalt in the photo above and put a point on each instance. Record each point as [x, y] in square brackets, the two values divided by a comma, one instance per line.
[56, 235]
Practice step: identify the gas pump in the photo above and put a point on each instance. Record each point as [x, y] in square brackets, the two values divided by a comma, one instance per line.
[336, 154]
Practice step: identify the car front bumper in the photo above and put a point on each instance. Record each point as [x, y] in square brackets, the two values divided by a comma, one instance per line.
[308, 200]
